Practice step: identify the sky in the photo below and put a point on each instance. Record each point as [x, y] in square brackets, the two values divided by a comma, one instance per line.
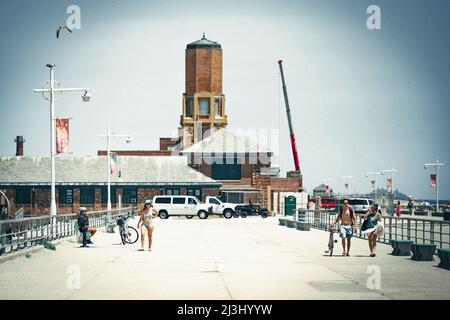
[361, 100]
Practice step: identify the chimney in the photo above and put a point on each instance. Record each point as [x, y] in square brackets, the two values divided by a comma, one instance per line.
[19, 145]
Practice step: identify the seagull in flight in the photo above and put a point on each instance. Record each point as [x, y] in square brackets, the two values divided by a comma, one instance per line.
[60, 29]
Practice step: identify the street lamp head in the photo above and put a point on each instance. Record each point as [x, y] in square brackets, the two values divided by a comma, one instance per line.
[50, 65]
[86, 96]
[425, 167]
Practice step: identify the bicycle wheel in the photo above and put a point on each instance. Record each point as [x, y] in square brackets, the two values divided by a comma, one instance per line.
[132, 235]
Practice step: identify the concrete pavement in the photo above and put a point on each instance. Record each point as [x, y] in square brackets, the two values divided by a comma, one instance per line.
[251, 258]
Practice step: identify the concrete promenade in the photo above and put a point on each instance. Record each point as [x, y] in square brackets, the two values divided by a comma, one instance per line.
[251, 258]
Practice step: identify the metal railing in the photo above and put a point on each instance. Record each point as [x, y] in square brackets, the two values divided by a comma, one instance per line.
[418, 230]
[18, 234]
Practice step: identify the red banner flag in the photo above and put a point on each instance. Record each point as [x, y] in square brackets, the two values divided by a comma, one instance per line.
[433, 180]
[389, 184]
[113, 163]
[62, 135]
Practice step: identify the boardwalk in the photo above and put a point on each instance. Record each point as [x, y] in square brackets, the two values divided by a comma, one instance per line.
[251, 258]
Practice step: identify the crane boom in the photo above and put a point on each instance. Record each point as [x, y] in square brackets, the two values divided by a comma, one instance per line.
[288, 111]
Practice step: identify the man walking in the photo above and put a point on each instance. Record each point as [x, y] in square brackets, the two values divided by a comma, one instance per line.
[349, 223]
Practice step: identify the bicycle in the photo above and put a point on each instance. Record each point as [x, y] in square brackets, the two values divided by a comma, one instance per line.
[128, 234]
[331, 240]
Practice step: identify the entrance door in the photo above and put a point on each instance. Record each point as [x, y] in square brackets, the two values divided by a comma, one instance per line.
[290, 204]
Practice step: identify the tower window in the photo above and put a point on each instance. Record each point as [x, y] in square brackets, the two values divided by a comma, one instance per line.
[218, 106]
[204, 106]
[189, 107]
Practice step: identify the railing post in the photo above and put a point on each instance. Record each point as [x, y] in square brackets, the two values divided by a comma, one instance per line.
[409, 230]
[390, 229]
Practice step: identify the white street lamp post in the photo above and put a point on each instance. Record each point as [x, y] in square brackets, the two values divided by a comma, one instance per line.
[52, 90]
[347, 179]
[436, 165]
[392, 171]
[108, 136]
[377, 173]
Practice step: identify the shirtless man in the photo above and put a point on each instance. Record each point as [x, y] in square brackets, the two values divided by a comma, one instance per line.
[349, 222]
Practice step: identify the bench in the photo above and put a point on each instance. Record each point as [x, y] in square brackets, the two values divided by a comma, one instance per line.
[444, 255]
[291, 223]
[422, 251]
[401, 247]
[303, 226]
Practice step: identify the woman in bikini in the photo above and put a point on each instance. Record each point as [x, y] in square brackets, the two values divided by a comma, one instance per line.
[147, 214]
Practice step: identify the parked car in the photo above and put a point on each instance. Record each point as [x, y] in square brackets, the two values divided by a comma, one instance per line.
[223, 208]
[360, 205]
[188, 206]
[328, 203]
[245, 210]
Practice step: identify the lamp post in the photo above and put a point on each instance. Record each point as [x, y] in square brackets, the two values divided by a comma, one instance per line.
[347, 179]
[109, 135]
[53, 87]
[376, 173]
[391, 202]
[392, 171]
[436, 165]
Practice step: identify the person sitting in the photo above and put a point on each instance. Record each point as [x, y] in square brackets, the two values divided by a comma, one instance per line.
[84, 228]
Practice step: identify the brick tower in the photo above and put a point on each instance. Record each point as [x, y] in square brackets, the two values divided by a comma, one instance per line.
[203, 100]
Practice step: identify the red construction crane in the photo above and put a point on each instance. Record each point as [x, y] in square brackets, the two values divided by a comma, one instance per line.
[288, 111]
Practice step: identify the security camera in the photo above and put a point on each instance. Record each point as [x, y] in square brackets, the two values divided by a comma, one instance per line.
[425, 167]
[86, 96]
[128, 140]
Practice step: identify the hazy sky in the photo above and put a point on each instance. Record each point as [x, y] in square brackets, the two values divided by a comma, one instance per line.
[362, 100]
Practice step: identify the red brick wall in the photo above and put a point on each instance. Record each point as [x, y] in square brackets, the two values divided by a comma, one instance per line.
[285, 184]
[203, 70]
[146, 193]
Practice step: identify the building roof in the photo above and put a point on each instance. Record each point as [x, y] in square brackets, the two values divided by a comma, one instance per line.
[203, 43]
[321, 187]
[92, 170]
[226, 141]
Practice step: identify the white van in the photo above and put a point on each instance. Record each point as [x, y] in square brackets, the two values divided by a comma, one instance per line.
[188, 206]
[360, 205]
